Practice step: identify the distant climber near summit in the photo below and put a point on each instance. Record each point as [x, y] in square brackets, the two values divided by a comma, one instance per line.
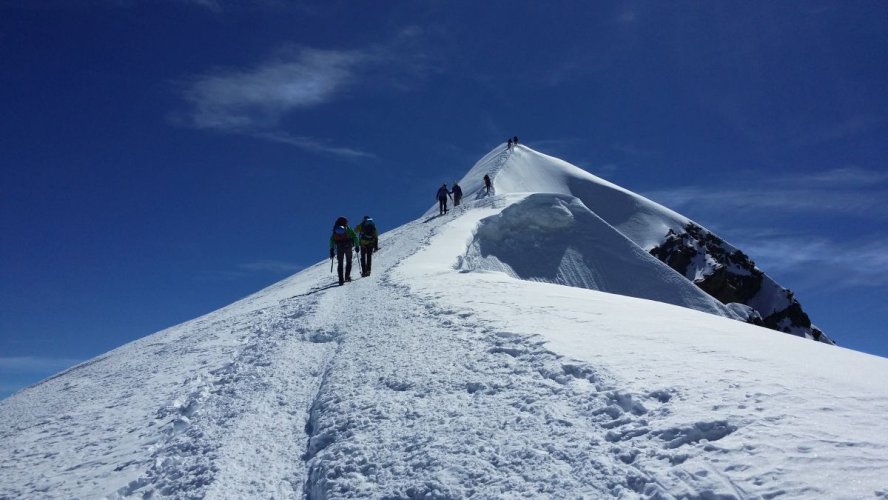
[442, 196]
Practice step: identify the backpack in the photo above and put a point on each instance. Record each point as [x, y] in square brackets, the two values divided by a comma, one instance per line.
[368, 230]
[340, 234]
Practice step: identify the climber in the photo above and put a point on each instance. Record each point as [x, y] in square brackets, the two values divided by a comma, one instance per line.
[342, 241]
[442, 196]
[369, 239]
[457, 194]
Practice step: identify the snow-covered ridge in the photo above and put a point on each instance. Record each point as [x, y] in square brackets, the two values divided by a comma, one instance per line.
[458, 369]
[669, 236]
[523, 170]
[555, 238]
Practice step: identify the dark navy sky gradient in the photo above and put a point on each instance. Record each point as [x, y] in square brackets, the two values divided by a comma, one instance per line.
[161, 159]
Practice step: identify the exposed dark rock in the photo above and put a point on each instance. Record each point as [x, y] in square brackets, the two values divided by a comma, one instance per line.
[749, 314]
[731, 276]
[728, 287]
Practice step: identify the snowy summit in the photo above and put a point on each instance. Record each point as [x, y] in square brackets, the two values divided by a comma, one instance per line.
[556, 337]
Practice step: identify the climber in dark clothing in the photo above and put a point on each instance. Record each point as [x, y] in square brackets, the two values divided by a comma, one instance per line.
[457, 194]
[487, 183]
[369, 237]
[442, 195]
[342, 241]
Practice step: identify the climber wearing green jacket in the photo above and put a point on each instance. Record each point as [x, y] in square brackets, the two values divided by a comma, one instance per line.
[369, 237]
[342, 241]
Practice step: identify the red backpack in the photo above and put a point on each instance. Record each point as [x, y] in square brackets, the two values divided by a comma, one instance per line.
[340, 230]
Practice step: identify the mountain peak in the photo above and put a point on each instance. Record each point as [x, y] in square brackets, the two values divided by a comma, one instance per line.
[640, 224]
[462, 366]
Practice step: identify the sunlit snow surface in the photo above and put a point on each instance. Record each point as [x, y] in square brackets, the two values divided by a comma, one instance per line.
[464, 367]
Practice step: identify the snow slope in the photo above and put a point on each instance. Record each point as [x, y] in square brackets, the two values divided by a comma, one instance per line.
[637, 218]
[548, 233]
[555, 238]
[461, 369]
[647, 225]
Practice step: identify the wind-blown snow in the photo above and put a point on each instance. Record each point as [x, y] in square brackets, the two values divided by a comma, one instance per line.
[555, 238]
[637, 218]
[459, 369]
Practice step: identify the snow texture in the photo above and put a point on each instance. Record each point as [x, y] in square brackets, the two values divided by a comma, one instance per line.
[464, 367]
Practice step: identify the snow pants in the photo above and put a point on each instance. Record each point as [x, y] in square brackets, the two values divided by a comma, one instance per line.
[442, 205]
[366, 259]
[344, 252]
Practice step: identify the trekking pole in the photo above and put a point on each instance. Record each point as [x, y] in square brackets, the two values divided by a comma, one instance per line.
[331, 264]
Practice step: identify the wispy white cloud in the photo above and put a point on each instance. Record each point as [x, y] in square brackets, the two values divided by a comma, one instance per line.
[312, 144]
[251, 268]
[255, 101]
[790, 199]
[850, 191]
[35, 364]
[236, 100]
[851, 176]
[822, 262]
[275, 266]
[814, 258]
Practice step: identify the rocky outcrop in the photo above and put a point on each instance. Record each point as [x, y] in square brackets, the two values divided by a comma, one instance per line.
[730, 276]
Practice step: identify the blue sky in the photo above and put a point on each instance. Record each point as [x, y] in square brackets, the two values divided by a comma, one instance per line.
[161, 159]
